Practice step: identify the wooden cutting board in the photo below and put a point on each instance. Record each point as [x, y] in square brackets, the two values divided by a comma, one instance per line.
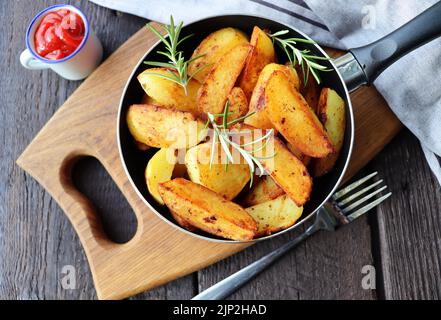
[85, 125]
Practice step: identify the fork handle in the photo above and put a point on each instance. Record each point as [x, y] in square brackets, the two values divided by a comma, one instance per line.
[229, 285]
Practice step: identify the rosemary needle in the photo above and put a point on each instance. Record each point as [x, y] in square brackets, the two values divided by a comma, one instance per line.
[304, 58]
[176, 64]
[221, 135]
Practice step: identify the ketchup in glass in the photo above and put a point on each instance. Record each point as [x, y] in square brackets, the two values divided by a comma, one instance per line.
[59, 34]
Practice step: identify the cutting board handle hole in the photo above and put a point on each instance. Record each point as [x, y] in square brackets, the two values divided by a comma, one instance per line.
[117, 217]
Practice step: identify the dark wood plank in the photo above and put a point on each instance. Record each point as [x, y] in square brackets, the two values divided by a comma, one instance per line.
[327, 266]
[36, 239]
[408, 225]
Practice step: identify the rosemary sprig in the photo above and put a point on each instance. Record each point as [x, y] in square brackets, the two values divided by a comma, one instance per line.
[307, 61]
[221, 135]
[176, 65]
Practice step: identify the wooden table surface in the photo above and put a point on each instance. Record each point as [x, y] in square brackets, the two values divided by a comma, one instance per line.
[401, 239]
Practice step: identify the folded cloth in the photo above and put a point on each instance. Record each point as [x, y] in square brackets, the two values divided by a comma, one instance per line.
[340, 24]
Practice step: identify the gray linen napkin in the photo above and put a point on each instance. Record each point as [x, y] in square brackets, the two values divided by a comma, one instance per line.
[411, 86]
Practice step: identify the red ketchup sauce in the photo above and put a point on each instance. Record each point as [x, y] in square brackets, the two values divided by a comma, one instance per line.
[59, 34]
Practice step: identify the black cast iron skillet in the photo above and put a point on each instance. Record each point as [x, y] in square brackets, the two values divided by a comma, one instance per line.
[359, 66]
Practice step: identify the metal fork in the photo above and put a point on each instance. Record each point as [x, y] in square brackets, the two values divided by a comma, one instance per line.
[340, 210]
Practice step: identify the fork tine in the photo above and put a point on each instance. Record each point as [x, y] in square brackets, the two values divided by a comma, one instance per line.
[368, 207]
[352, 186]
[358, 202]
[359, 193]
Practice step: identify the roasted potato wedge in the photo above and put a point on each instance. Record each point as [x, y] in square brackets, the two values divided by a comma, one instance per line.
[289, 173]
[257, 101]
[285, 168]
[183, 223]
[207, 210]
[162, 128]
[168, 94]
[262, 54]
[212, 48]
[159, 169]
[219, 82]
[302, 157]
[238, 104]
[331, 112]
[139, 145]
[263, 190]
[310, 91]
[275, 215]
[228, 183]
[290, 114]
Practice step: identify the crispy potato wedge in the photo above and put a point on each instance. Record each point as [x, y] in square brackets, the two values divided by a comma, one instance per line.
[228, 183]
[183, 223]
[162, 128]
[258, 119]
[159, 169]
[263, 190]
[285, 168]
[290, 114]
[207, 210]
[168, 94]
[331, 112]
[292, 74]
[238, 104]
[257, 101]
[310, 91]
[212, 48]
[219, 82]
[275, 215]
[139, 145]
[289, 173]
[149, 100]
[262, 54]
[302, 157]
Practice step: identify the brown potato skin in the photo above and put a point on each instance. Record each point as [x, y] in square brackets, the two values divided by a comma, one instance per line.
[275, 215]
[289, 173]
[302, 157]
[283, 167]
[151, 125]
[262, 54]
[331, 113]
[310, 91]
[212, 48]
[226, 183]
[167, 94]
[292, 117]
[139, 145]
[238, 104]
[263, 190]
[257, 101]
[221, 79]
[183, 223]
[206, 210]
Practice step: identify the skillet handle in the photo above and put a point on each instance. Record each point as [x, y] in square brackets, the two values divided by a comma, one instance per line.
[374, 58]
